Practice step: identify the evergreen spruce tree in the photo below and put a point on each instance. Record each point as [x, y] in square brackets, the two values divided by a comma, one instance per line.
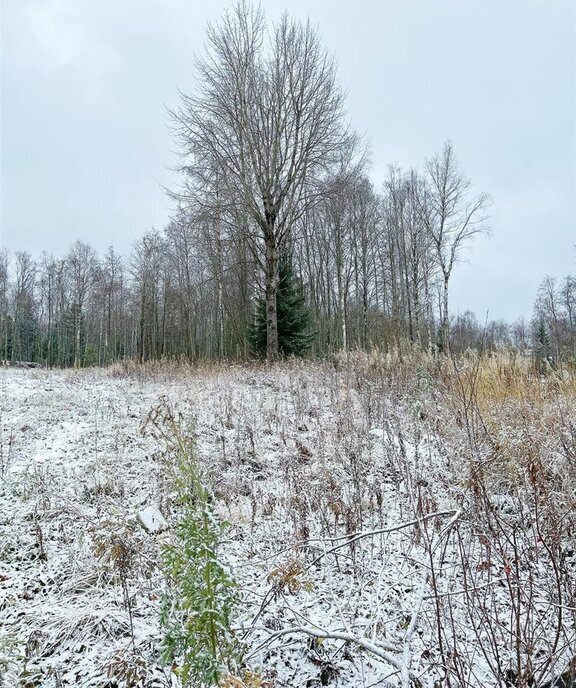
[294, 334]
[542, 345]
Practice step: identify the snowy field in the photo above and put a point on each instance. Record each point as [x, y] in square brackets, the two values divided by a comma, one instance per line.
[383, 529]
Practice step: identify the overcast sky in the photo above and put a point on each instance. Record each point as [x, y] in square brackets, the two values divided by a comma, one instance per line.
[86, 149]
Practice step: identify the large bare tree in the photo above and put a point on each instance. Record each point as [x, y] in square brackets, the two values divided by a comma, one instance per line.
[452, 217]
[267, 114]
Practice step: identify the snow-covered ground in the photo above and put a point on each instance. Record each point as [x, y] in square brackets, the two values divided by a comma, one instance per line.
[350, 504]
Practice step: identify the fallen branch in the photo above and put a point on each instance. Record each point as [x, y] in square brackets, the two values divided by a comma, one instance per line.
[382, 650]
[354, 537]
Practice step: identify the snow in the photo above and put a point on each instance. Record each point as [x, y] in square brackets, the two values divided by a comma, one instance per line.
[152, 519]
[299, 460]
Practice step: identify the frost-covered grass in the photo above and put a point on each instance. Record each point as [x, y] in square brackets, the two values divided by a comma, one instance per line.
[391, 521]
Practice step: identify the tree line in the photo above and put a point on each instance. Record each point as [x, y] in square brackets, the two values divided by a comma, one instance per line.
[181, 294]
[271, 174]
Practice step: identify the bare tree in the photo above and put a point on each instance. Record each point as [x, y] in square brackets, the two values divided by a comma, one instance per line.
[555, 314]
[4, 307]
[366, 218]
[547, 307]
[47, 284]
[268, 116]
[452, 217]
[24, 322]
[180, 242]
[147, 268]
[568, 300]
[81, 264]
[111, 318]
[339, 240]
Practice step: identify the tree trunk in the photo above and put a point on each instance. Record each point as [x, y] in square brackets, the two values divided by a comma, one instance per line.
[340, 282]
[77, 361]
[141, 356]
[220, 269]
[445, 322]
[365, 314]
[416, 301]
[271, 310]
[49, 342]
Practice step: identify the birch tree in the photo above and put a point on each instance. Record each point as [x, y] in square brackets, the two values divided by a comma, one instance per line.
[81, 263]
[452, 217]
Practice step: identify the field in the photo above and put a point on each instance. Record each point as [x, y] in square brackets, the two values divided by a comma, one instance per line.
[379, 521]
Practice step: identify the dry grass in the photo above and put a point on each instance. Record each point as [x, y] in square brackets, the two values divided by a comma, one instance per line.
[301, 455]
[524, 418]
[502, 377]
[500, 411]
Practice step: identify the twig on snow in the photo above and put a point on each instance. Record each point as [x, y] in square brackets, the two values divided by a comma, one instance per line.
[354, 537]
[384, 651]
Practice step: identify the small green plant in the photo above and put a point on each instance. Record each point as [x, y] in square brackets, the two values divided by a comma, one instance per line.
[201, 594]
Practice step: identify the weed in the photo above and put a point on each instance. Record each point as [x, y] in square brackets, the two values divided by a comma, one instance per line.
[201, 594]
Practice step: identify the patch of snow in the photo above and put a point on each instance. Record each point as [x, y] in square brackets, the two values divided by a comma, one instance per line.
[152, 519]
